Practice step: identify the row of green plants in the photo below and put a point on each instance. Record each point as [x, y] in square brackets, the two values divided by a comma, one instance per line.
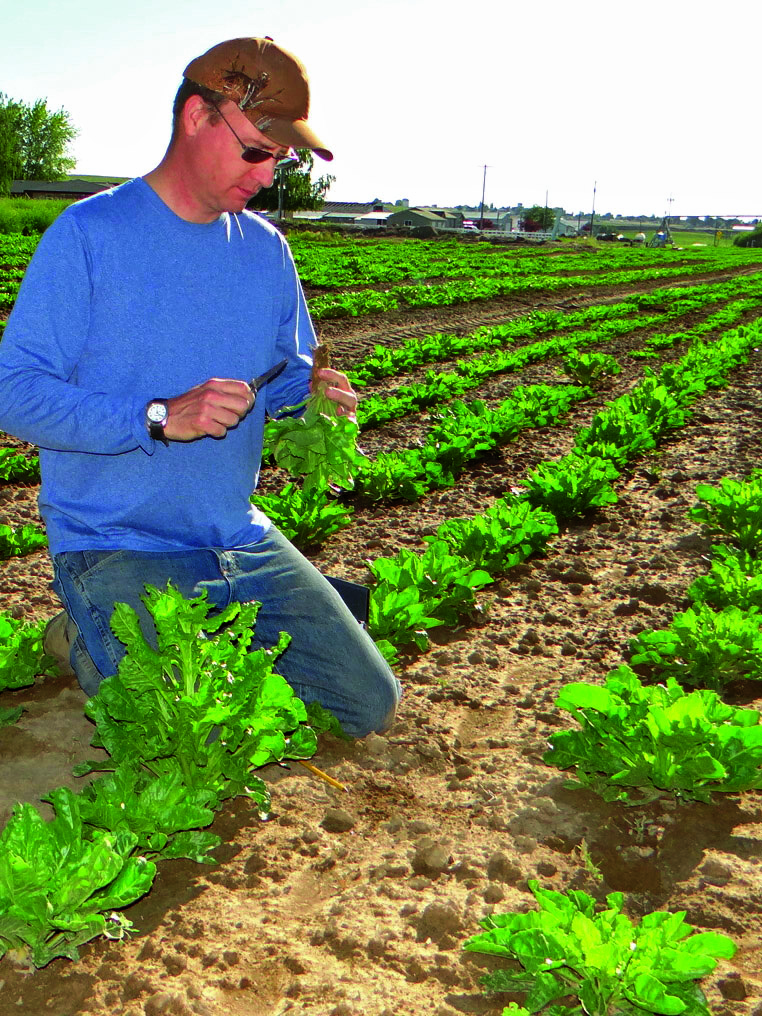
[357, 303]
[482, 282]
[668, 303]
[364, 261]
[723, 318]
[186, 723]
[367, 261]
[638, 742]
[628, 427]
[440, 387]
[463, 432]
[717, 640]
[635, 743]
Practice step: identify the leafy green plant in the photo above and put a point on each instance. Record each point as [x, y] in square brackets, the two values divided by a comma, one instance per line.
[617, 425]
[305, 516]
[734, 580]
[593, 369]
[22, 657]
[394, 476]
[652, 401]
[18, 468]
[202, 704]
[636, 743]
[572, 485]
[733, 508]
[610, 965]
[60, 887]
[506, 534]
[318, 444]
[703, 647]
[10, 716]
[21, 540]
[416, 592]
[165, 816]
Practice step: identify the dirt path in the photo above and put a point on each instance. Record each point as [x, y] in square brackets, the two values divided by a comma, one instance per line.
[357, 903]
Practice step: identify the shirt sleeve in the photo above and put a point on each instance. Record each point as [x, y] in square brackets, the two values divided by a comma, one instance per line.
[294, 342]
[40, 401]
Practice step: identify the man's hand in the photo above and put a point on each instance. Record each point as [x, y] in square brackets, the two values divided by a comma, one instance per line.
[339, 391]
[211, 408]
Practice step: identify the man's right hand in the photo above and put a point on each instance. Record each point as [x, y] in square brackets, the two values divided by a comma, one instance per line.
[209, 409]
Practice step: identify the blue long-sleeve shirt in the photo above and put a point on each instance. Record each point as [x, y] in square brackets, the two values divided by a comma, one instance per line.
[124, 302]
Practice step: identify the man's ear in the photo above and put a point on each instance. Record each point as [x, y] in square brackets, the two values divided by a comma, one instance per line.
[194, 115]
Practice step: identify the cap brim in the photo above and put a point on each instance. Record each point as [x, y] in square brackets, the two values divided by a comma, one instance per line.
[296, 134]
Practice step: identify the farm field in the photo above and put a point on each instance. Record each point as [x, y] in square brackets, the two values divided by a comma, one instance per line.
[358, 902]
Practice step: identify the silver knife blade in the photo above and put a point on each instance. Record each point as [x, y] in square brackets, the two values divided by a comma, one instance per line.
[256, 383]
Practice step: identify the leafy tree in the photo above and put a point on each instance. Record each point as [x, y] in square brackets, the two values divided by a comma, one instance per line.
[10, 163]
[538, 217]
[299, 190]
[753, 239]
[33, 142]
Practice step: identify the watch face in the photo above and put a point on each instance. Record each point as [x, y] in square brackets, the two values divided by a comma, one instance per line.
[156, 412]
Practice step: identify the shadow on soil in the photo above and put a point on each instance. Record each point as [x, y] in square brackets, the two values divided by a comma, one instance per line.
[646, 850]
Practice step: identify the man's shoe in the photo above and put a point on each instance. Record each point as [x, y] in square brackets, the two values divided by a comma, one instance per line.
[57, 642]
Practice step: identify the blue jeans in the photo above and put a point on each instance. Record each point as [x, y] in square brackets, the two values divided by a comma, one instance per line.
[331, 658]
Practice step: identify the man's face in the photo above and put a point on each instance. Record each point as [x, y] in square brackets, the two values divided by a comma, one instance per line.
[225, 181]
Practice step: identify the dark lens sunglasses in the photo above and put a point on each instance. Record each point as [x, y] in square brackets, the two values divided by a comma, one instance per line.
[254, 155]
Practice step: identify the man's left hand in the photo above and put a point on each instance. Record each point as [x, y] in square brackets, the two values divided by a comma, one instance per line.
[339, 391]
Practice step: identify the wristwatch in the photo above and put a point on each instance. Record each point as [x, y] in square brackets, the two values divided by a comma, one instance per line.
[157, 413]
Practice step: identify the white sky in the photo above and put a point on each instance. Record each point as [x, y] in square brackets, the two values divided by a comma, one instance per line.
[650, 99]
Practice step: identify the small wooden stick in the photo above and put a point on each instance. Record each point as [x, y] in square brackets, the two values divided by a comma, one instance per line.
[323, 776]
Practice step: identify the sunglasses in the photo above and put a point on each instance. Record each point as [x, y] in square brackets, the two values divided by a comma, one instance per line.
[254, 155]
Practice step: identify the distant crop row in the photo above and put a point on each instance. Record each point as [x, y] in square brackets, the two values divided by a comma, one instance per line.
[361, 261]
[668, 303]
[442, 294]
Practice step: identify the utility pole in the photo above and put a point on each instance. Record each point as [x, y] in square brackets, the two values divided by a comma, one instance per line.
[281, 190]
[592, 214]
[481, 209]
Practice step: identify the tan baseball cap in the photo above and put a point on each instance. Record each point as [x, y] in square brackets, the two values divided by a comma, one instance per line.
[268, 84]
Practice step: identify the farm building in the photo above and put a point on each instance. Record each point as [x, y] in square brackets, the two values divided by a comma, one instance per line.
[437, 217]
[346, 213]
[73, 189]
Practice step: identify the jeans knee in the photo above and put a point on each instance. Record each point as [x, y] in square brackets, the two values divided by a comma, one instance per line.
[379, 715]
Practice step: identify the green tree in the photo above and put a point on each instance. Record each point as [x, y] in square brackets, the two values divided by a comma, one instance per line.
[299, 191]
[10, 161]
[753, 239]
[538, 217]
[33, 142]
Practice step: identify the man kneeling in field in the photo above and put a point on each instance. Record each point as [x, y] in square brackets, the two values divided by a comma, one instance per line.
[140, 317]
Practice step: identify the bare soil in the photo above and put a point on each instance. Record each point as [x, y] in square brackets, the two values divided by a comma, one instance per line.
[357, 903]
